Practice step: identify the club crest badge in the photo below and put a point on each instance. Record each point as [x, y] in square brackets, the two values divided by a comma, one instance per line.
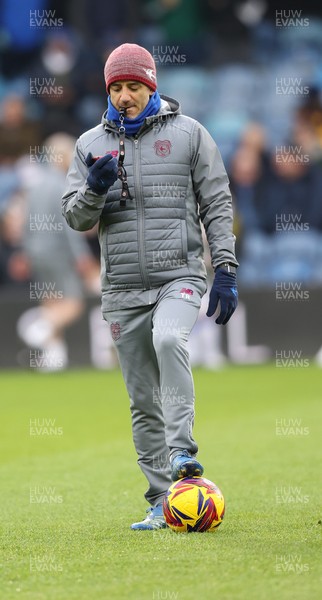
[115, 331]
[162, 148]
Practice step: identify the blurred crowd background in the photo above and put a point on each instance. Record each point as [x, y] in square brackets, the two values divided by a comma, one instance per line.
[249, 70]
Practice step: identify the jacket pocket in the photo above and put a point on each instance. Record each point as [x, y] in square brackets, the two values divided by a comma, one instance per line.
[167, 245]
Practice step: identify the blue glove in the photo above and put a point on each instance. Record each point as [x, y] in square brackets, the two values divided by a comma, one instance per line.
[102, 172]
[224, 290]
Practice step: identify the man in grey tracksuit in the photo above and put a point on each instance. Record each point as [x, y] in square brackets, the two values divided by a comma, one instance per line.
[149, 201]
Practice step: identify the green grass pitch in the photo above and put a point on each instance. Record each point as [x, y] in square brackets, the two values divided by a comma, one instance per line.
[68, 498]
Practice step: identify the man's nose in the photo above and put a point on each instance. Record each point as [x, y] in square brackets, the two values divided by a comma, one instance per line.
[124, 98]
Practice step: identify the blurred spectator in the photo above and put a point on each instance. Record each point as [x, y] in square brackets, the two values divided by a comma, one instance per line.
[279, 205]
[247, 170]
[245, 173]
[308, 126]
[60, 260]
[17, 135]
[254, 138]
[287, 182]
[65, 81]
[293, 186]
[17, 132]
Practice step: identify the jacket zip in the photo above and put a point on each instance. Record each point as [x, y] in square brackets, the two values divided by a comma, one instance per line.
[138, 195]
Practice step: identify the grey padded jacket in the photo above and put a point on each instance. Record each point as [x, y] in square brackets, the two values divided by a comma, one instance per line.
[176, 179]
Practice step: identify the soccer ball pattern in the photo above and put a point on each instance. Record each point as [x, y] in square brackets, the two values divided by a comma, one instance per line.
[193, 504]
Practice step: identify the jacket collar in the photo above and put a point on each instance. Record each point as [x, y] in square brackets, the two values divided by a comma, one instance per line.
[169, 107]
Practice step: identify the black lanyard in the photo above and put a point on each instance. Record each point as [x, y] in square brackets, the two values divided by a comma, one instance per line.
[121, 172]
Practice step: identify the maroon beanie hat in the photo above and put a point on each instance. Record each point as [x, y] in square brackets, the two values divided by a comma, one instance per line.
[130, 62]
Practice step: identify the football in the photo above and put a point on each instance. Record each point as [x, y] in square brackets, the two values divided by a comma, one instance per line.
[193, 504]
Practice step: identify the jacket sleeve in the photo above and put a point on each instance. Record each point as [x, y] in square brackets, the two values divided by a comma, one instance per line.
[211, 187]
[81, 207]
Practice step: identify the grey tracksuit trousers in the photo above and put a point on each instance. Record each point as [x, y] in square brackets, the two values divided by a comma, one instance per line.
[151, 345]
